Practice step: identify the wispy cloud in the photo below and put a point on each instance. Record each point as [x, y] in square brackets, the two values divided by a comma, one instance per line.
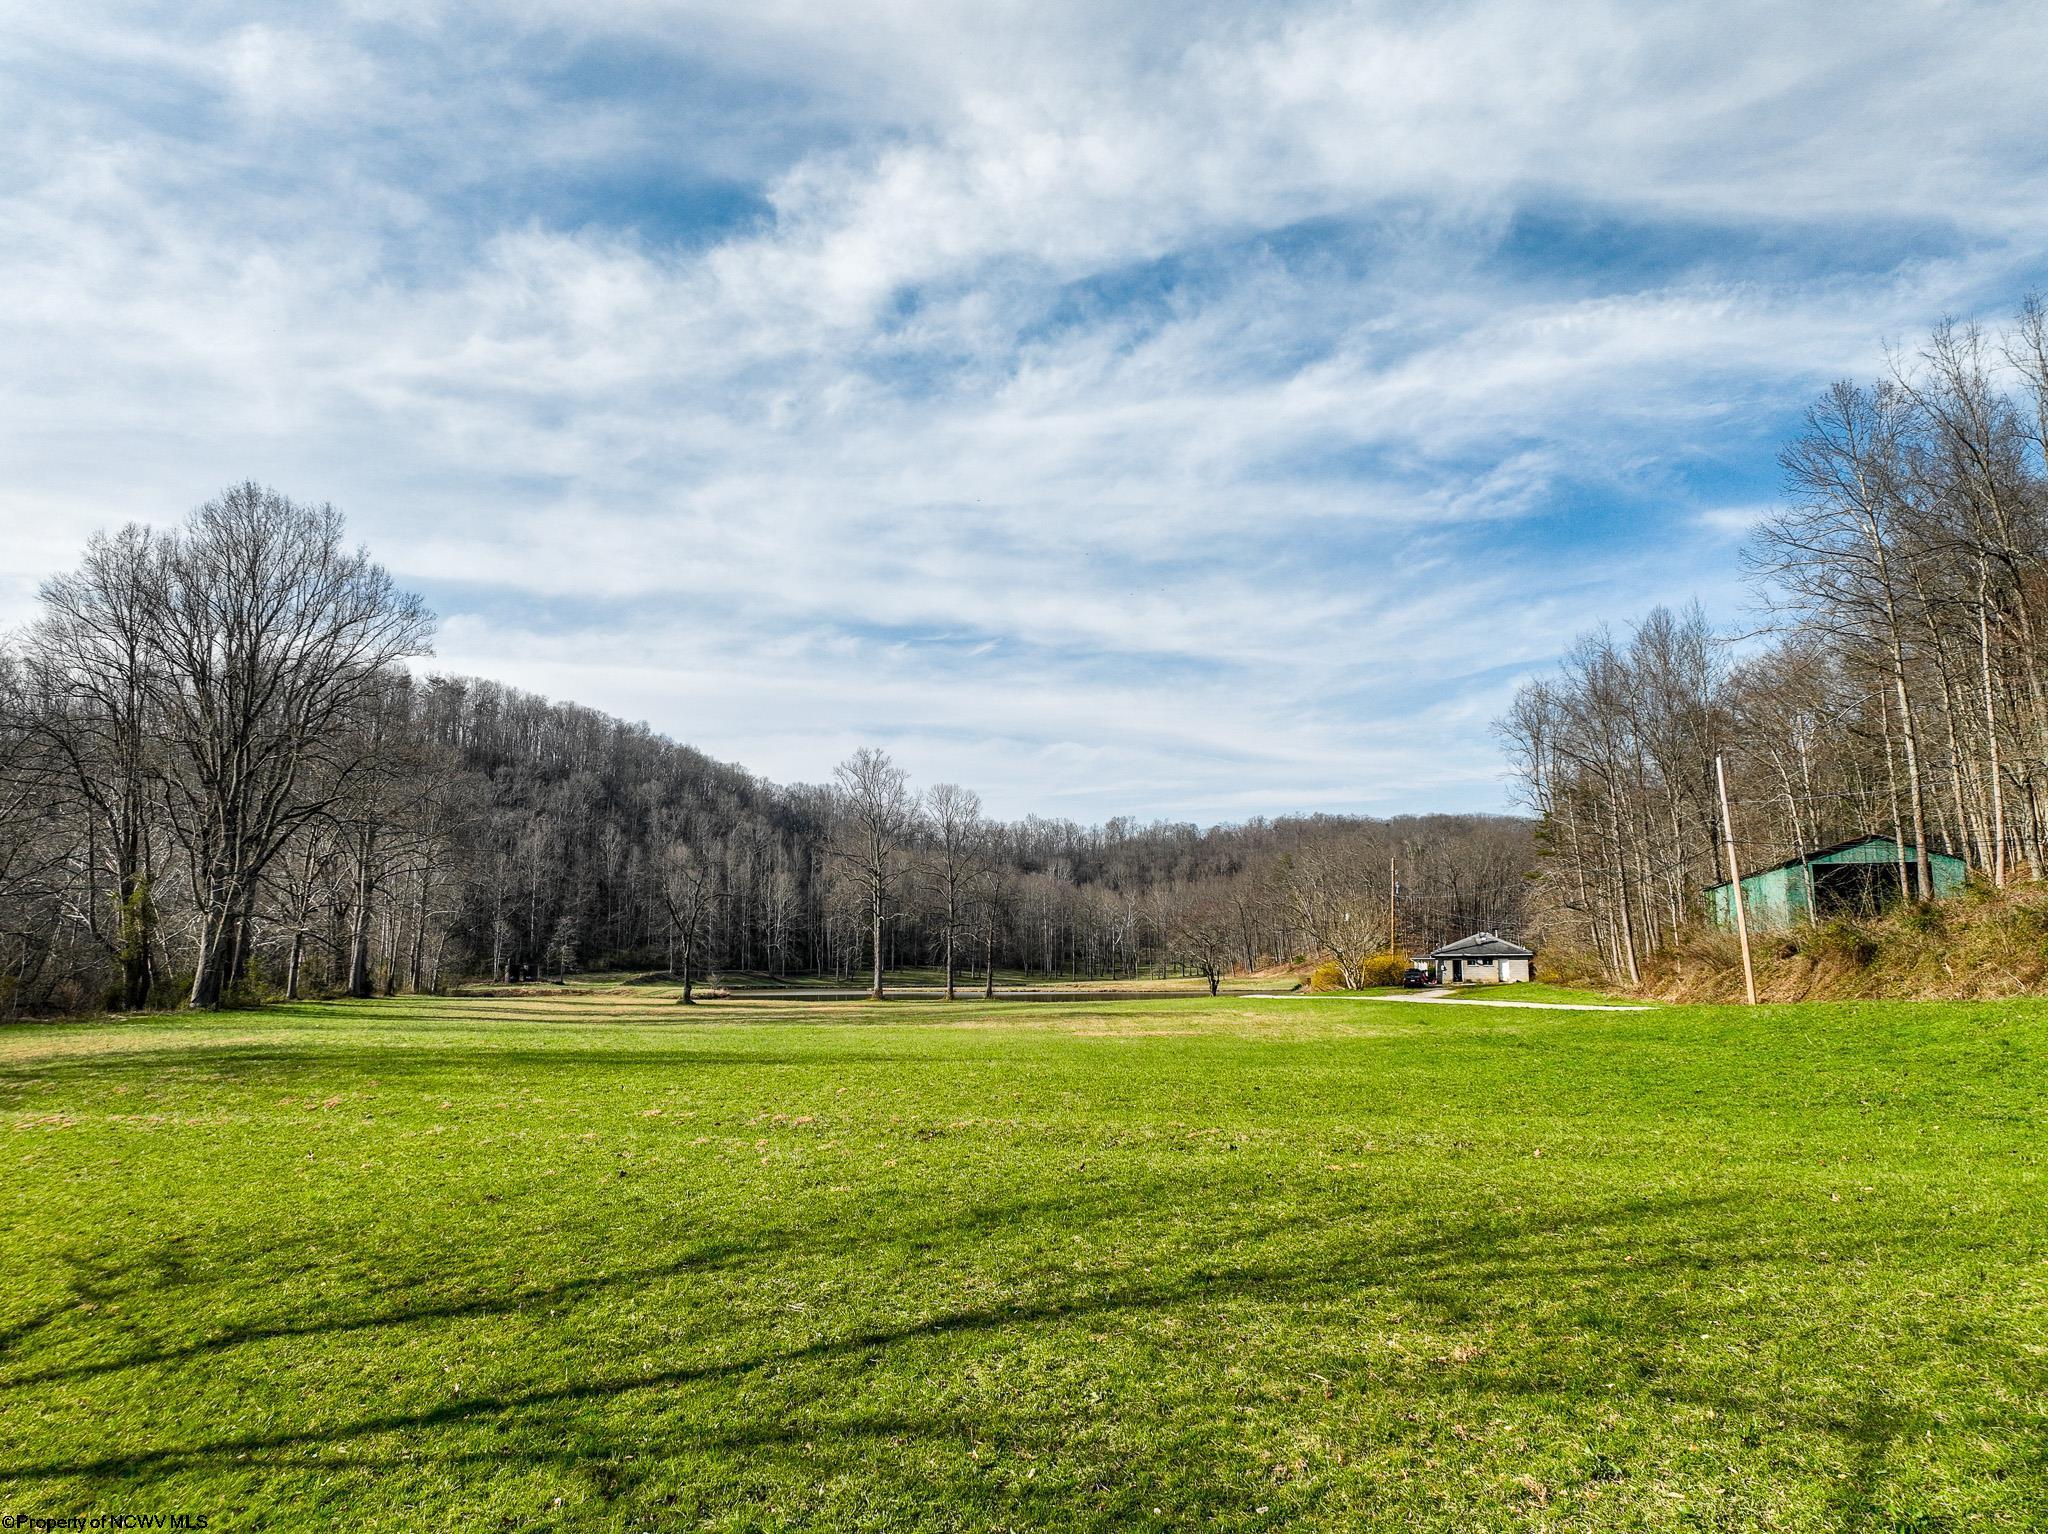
[1134, 408]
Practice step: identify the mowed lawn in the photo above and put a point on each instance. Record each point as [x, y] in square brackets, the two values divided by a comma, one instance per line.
[588, 1260]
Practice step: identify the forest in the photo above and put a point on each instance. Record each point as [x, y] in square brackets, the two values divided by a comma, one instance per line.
[227, 774]
[1892, 682]
[228, 771]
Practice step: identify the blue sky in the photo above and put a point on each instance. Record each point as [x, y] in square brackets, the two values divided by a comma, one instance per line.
[1180, 410]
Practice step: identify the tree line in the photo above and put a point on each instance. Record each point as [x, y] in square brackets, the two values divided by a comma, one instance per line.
[224, 777]
[1896, 686]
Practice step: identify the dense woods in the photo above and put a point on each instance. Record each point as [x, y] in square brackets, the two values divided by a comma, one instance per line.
[224, 777]
[1897, 689]
[225, 773]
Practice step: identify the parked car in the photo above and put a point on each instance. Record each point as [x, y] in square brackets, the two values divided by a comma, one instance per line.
[1415, 978]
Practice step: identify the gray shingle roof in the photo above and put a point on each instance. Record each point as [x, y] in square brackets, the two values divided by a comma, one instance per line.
[1483, 945]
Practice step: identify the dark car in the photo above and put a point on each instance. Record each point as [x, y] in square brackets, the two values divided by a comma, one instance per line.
[1415, 978]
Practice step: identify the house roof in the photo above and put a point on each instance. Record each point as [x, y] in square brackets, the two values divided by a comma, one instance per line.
[1821, 854]
[1483, 945]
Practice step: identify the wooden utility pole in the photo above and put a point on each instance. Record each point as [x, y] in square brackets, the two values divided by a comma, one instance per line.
[1393, 906]
[1990, 726]
[1735, 879]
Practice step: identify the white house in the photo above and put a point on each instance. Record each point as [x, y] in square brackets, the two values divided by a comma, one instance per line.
[1483, 959]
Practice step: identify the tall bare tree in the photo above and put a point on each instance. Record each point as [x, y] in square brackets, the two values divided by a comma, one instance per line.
[1200, 929]
[91, 664]
[689, 890]
[1833, 554]
[266, 635]
[875, 811]
[1335, 892]
[953, 831]
[993, 888]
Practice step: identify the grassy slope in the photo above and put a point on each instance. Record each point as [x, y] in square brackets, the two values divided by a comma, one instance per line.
[590, 1261]
[1980, 945]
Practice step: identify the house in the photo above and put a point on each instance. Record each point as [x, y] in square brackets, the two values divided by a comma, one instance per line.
[1852, 878]
[1483, 959]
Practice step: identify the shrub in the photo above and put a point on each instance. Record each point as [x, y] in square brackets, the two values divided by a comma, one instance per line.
[1923, 917]
[2025, 923]
[170, 990]
[1378, 969]
[1843, 940]
[1382, 969]
[257, 987]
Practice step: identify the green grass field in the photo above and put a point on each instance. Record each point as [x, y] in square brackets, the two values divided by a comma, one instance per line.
[1539, 990]
[587, 1260]
[928, 978]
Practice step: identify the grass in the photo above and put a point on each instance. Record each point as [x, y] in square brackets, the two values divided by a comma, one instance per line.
[590, 1261]
[924, 978]
[1541, 990]
[1528, 990]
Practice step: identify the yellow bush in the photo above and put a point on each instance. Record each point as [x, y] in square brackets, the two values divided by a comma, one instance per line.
[1382, 969]
[1379, 969]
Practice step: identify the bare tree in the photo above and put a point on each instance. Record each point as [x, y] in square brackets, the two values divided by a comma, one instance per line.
[1200, 927]
[1335, 892]
[307, 878]
[1833, 553]
[35, 845]
[90, 664]
[994, 886]
[266, 634]
[689, 889]
[875, 812]
[953, 828]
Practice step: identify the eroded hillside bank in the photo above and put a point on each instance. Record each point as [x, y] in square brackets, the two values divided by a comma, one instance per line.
[1982, 944]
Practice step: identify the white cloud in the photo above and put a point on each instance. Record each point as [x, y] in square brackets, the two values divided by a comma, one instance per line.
[1732, 522]
[1140, 405]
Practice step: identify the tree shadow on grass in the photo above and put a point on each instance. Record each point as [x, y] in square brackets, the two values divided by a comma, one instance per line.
[1869, 1435]
[91, 1282]
[15, 1333]
[110, 1281]
[1484, 1251]
[313, 1065]
[855, 1429]
[702, 1260]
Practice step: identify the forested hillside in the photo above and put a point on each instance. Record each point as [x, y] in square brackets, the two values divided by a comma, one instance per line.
[226, 771]
[227, 768]
[1897, 686]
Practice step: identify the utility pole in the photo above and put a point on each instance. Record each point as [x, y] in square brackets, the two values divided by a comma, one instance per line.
[1990, 727]
[1735, 878]
[1393, 906]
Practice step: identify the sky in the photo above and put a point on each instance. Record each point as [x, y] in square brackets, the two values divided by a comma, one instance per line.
[1173, 410]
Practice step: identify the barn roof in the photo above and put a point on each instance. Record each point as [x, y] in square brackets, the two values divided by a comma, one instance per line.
[1824, 854]
[1483, 945]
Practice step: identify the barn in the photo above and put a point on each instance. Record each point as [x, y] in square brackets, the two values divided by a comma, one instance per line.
[1483, 959]
[1852, 878]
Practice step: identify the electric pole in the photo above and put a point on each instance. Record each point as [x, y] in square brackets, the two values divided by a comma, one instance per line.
[1735, 879]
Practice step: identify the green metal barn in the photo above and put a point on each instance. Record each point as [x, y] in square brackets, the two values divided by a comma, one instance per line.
[1854, 878]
